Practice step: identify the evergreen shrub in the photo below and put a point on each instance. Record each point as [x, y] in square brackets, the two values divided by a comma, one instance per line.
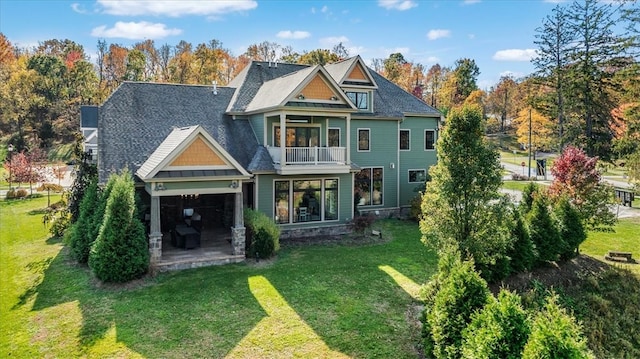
[555, 334]
[120, 253]
[461, 293]
[499, 330]
[261, 229]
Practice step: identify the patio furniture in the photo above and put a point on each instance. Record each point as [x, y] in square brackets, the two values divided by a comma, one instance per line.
[303, 215]
[189, 237]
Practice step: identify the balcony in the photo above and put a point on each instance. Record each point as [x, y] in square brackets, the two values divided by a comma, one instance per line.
[310, 160]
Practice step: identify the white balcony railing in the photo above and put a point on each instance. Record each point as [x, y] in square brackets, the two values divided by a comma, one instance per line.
[309, 155]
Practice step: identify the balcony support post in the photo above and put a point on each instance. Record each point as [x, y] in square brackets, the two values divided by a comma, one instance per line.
[283, 139]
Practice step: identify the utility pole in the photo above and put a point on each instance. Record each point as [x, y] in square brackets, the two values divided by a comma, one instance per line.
[529, 142]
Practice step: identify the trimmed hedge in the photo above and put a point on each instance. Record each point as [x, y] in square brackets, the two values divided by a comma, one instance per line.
[263, 235]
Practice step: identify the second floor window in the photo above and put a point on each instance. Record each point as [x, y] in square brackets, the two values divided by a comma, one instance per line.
[334, 137]
[360, 99]
[298, 137]
[405, 139]
[363, 139]
[429, 140]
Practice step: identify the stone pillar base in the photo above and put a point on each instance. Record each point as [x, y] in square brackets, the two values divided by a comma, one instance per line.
[238, 240]
[155, 246]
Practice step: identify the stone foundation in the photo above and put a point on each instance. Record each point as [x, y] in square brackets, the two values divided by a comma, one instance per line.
[335, 230]
[384, 213]
[155, 247]
[238, 239]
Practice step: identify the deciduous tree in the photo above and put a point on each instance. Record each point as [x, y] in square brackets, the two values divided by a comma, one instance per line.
[576, 176]
[461, 205]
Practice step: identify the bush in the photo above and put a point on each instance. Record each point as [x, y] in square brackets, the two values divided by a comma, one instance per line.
[555, 334]
[529, 192]
[499, 330]
[544, 231]
[415, 211]
[82, 237]
[361, 223]
[262, 244]
[16, 193]
[257, 222]
[571, 228]
[120, 253]
[461, 293]
[448, 260]
[522, 253]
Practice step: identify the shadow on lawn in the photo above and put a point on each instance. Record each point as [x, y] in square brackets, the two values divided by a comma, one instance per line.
[199, 313]
[341, 294]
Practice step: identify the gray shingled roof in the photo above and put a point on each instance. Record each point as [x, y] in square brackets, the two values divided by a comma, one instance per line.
[250, 81]
[138, 117]
[274, 92]
[389, 100]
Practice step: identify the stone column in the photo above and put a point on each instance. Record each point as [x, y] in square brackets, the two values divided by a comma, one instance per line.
[155, 231]
[238, 231]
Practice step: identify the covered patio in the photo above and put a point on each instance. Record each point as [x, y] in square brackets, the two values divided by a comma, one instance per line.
[195, 202]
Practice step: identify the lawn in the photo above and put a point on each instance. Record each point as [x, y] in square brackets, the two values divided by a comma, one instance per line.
[329, 300]
[625, 238]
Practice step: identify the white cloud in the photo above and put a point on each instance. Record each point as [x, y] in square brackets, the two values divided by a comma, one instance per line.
[325, 9]
[174, 8]
[470, 2]
[333, 40]
[397, 4]
[78, 8]
[295, 35]
[135, 31]
[432, 60]
[438, 34]
[515, 55]
[471, 36]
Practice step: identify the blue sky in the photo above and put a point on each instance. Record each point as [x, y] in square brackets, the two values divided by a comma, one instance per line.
[498, 34]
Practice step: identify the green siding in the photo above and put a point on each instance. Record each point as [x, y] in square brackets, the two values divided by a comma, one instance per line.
[342, 125]
[265, 197]
[416, 157]
[257, 123]
[383, 152]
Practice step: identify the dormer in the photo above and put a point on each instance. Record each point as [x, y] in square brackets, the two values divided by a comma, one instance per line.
[353, 76]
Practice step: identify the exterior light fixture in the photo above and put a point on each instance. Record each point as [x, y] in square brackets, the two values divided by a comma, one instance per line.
[300, 97]
[159, 186]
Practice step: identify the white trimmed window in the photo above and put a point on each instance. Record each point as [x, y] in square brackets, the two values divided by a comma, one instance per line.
[360, 99]
[417, 176]
[334, 137]
[364, 139]
[368, 184]
[429, 140]
[405, 140]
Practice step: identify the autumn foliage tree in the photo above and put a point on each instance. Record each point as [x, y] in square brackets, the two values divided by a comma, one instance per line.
[576, 176]
[541, 129]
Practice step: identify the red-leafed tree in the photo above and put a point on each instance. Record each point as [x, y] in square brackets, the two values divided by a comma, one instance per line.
[576, 177]
[27, 167]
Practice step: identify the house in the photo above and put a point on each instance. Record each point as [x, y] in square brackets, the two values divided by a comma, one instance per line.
[306, 145]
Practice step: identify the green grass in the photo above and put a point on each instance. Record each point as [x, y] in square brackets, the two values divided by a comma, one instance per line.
[624, 238]
[311, 301]
[519, 185]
